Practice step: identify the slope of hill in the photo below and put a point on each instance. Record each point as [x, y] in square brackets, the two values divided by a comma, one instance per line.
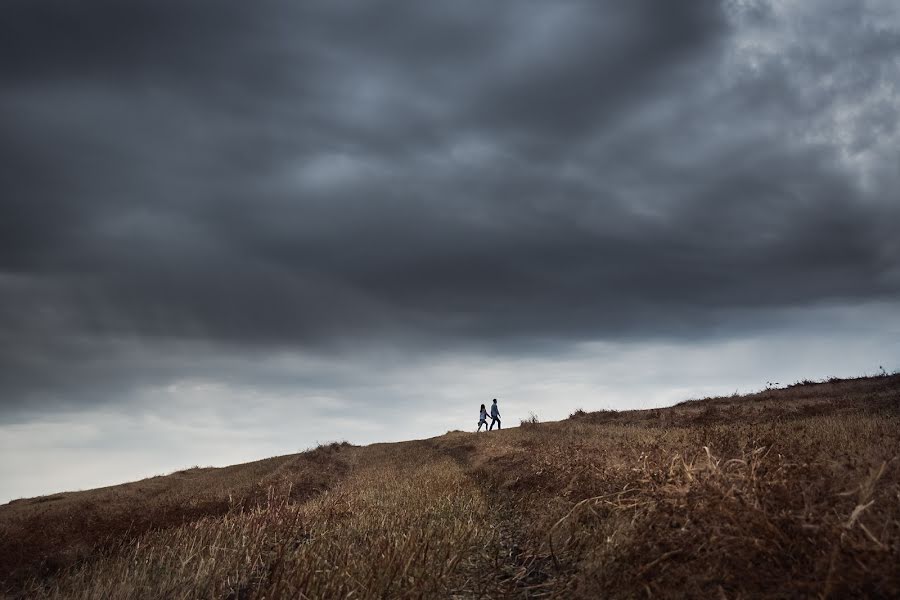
[785, 493]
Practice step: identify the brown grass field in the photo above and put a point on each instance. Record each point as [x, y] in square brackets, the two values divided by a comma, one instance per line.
[781, 494]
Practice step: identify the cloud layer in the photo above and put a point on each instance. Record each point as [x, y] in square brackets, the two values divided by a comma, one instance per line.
[190, 189]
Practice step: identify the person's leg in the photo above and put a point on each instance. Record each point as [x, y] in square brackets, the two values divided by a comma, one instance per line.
[493, 420]
[498, 424]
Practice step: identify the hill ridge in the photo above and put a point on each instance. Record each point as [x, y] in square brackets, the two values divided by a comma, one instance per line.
[798, 481]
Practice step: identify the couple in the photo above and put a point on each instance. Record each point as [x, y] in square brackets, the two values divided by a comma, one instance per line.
[495, 417]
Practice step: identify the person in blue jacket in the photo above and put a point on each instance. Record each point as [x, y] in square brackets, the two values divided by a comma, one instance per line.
[495, 416]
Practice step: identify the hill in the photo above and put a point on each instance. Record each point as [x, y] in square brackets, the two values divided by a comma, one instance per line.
[790, 492]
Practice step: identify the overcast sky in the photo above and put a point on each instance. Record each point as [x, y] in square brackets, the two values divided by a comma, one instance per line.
[230, 230]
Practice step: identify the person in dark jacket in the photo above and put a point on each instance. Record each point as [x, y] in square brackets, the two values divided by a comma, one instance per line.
[495, 415]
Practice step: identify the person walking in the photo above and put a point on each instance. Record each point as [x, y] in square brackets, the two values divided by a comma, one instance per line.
[482, 419]
[495, 416]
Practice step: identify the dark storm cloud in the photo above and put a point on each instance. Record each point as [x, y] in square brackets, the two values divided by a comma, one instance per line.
[313, 175]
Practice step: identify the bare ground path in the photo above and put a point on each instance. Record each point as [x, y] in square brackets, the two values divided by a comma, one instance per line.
[518, 574]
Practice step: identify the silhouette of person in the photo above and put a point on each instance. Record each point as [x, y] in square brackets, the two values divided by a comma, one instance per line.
[495, 416]
[482, 418]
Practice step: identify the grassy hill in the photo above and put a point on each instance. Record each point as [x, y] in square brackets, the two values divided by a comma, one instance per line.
[786, 493]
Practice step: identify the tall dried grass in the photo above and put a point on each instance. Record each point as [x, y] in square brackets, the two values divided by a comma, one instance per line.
[392, 529]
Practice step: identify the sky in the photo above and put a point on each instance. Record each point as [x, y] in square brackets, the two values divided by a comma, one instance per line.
[233, 230]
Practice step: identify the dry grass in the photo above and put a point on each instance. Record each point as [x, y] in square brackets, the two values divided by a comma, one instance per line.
[390, 529]
[786, 493]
